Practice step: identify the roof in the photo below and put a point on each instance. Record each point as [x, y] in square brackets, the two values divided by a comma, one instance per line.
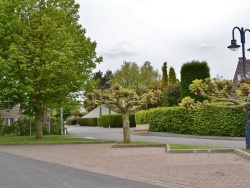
[98, 111]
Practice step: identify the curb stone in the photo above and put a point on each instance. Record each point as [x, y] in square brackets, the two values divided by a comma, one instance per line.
[136, 145]
[237, 151]
[59, 143]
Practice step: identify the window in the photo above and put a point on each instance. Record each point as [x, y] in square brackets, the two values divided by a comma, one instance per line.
[9, 121]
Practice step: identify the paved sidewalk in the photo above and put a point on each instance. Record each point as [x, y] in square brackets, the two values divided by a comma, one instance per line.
[151, 165]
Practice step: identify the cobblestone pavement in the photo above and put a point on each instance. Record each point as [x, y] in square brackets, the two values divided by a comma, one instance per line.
[151, 165]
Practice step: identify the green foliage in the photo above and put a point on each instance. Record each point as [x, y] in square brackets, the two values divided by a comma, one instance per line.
[87, 122]
[99, 122]
[22, 126]
[218, 94]
[172, 95]
[126, 100]
[148, 76]
[131, 76]
[172, 77]
[55, 128]
[128, 75]
[103, 81]
[164, 79]
[115, 120]
[191, 71]
[68, 120]
[212, 122]
[45, 57]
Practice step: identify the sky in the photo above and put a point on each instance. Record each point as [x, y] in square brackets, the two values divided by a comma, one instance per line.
[172, 31]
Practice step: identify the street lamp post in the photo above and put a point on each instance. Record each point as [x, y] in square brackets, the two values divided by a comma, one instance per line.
[234, 46]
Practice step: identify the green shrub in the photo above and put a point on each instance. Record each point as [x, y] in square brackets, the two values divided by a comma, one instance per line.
[55, 128]
[9, 130]
[87, 122]
[22, 126]
[115, 120]
[213, 122]
[191, 71]
[99, 122]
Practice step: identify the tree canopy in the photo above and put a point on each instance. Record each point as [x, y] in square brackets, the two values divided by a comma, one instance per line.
[125, 99]
[45, 57]
[103, 81]
[132, 76]
[219, 94]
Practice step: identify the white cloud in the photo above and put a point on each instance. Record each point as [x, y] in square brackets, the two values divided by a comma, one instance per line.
[204, 46]
[165, 30]
[120, 49]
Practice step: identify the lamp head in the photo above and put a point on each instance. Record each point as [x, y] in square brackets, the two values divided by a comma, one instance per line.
[234, 46]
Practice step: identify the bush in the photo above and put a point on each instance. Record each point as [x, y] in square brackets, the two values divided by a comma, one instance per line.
[87, 122]
[22, 126]
[115, 120]
[213, 122]
[191, 71]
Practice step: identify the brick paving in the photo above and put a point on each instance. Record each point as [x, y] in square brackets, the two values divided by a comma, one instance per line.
[151, 165]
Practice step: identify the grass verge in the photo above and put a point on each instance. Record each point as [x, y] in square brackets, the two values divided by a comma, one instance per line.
[246, 150]
[45, 140]
[180, 146]
[136, 143]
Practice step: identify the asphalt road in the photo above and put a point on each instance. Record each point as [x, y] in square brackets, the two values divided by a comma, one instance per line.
[116, 134]
[21, 172]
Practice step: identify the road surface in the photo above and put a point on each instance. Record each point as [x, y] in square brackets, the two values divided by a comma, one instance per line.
[117, 134]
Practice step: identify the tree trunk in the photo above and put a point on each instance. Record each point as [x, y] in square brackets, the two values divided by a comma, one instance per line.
[126, 129]
[39, 124]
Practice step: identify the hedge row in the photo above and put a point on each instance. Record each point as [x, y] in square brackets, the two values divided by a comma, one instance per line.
[112, 120]
[115, 120]
[213, 122]
[87, 122]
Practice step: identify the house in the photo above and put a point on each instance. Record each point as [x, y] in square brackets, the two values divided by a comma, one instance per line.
[10, 116]
[239, 70]
[99, 111]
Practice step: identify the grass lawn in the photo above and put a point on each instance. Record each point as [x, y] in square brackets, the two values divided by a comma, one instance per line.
[246, 150]
[180, 146]
[45, 139]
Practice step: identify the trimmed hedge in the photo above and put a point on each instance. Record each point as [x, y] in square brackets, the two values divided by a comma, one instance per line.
[212, 122]
[115, 120]
[191, 71]
[87, 122]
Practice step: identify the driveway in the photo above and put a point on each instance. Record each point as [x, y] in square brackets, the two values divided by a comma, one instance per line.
[22, 172]
[149, 165]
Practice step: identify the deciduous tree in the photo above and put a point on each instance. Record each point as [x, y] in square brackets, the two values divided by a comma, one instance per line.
[219, 94]
[125, 99]
[45, 56]
[131, 76]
